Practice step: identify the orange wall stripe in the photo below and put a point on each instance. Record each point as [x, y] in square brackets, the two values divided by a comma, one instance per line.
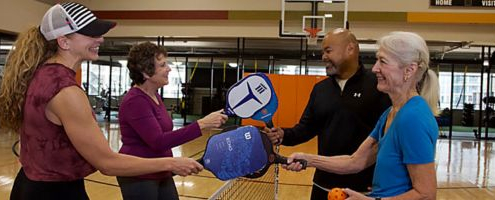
[425, 17]
[476, 18]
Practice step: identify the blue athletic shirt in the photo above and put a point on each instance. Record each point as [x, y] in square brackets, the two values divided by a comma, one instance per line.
[410, 139]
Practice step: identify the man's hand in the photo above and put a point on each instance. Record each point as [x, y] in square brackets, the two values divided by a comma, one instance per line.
[276, 134]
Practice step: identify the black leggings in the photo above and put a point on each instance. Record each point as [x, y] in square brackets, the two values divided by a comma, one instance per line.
[25, 189]
[140, 189]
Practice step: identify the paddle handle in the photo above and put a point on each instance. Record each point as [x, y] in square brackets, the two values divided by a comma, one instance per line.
[283, 160]
[269, 124]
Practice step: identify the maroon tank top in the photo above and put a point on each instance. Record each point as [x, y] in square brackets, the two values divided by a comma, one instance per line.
[46, 152]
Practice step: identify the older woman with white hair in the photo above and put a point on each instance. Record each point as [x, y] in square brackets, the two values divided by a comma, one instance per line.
[403, 141]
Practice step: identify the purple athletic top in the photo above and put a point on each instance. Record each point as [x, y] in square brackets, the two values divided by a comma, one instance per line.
[47, 154]
[147, 129]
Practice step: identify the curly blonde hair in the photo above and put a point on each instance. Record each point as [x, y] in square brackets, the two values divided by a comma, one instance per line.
[29, 51]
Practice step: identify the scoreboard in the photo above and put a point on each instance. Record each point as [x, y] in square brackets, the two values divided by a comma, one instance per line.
[466, 3]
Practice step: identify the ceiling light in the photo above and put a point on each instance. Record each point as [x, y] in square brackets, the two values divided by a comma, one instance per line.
[291, 67]
[5, 47]
[233, 64]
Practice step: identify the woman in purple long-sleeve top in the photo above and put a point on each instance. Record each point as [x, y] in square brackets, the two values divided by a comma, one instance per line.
[147, 128]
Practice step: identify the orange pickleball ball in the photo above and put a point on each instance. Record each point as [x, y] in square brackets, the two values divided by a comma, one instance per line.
[337, 194]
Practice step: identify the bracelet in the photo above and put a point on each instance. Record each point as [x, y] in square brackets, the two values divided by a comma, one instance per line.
[378, 198]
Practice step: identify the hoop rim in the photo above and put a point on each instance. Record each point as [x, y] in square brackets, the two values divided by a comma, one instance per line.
[312, 32]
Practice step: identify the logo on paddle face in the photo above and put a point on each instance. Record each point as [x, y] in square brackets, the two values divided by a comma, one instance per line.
[264, 111]
[247, 135]
[229, 144]
[261, 88]
[248, 96]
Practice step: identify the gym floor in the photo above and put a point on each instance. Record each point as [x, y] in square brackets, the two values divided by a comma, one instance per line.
[463, 170]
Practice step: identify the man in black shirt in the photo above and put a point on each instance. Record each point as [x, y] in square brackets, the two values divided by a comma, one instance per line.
[342, 111]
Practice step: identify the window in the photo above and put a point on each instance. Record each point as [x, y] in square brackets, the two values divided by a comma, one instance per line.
[175, 79]
[467, 92]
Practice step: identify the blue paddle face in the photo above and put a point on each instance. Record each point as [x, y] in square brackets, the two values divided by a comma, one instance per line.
[252, 97]
[235, 153]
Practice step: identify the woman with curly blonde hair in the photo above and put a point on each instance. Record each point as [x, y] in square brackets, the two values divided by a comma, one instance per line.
[61, 143]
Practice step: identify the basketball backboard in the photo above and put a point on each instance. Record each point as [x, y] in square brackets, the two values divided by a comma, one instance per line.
[300, 18]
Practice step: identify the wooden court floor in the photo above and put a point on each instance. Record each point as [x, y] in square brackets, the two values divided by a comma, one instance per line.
[464, 171]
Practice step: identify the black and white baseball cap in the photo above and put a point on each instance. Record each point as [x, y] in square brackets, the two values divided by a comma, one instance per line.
[65, 18]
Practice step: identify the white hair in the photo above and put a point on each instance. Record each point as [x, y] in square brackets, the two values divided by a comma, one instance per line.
[409, 48]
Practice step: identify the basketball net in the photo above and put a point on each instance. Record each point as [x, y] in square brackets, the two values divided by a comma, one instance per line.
[312, 36]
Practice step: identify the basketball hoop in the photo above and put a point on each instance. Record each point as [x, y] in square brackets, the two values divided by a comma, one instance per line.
[312, 36]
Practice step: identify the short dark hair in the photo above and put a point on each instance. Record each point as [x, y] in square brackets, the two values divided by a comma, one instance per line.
[141, 59]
